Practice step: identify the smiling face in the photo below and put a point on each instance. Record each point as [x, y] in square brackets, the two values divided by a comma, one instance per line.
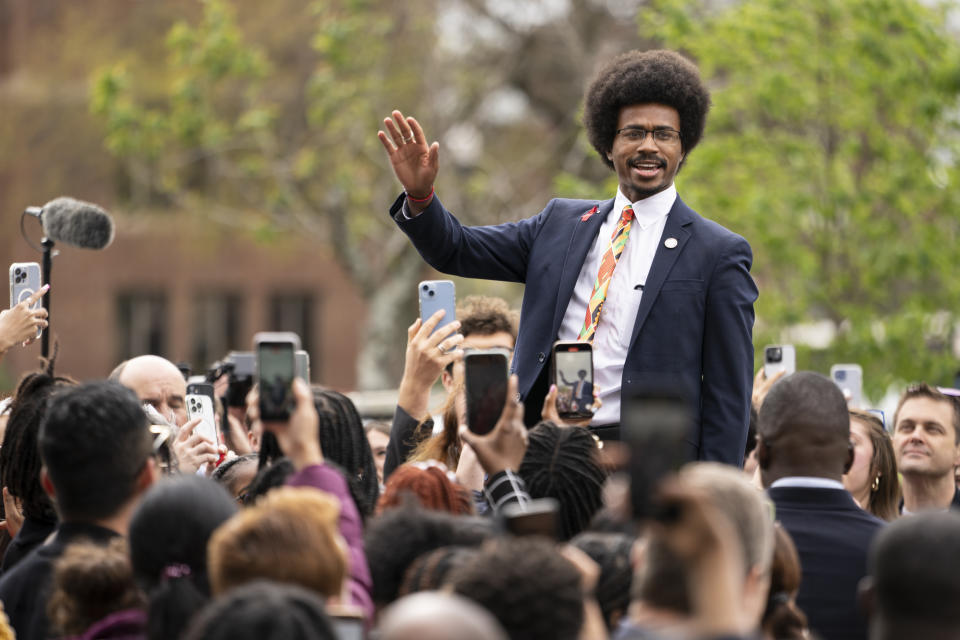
[646, 167]
[924, 439]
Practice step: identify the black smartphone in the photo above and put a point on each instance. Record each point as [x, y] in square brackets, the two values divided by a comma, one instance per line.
[572, 366]
[276, 368]
[535, 518]
[485, 377]
[655, 426]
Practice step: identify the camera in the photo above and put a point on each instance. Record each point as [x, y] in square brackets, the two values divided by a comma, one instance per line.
[773, 354]
[239, 367]
[840, 375]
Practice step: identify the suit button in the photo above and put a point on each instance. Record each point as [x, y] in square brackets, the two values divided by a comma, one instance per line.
[541, 357]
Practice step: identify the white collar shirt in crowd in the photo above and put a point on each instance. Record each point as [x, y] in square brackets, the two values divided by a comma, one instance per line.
[619, 314]
[807, 482]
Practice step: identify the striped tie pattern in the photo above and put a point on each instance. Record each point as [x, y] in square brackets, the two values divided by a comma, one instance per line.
[617, 242]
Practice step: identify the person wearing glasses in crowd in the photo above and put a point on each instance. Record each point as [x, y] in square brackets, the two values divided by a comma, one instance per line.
[926, 440]
[664, 295]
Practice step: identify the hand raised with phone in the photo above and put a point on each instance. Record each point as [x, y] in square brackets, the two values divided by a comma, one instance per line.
[415, 163]
[19, 324]
[502, 448]
[194, 450]
[299, 436]
[426, 357]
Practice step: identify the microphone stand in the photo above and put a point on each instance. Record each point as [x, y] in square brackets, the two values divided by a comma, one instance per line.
[48, 254]
[47, 266]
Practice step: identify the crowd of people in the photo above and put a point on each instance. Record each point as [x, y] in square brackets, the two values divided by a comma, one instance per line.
[794, 516]
[330, 526]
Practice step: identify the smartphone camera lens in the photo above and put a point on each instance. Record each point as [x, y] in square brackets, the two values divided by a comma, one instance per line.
[840, 375]
[774, 354]
[18, 272]
[431, 293]
[426, 287]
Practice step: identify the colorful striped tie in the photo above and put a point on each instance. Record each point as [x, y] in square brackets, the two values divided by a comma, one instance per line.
[617, 242]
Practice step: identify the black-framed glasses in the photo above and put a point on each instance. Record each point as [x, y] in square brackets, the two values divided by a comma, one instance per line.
[661, 135]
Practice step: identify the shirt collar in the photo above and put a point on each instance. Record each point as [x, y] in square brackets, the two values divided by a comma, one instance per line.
[807, 483]
[648, 210]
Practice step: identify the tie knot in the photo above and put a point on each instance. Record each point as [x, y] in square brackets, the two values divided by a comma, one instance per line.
[627, 213]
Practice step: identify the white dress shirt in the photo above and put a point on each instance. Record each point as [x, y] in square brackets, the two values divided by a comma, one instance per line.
[619, 313]
[807, 482]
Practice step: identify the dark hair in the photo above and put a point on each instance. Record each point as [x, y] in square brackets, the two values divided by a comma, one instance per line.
[263, 610]
[641, 77]
[923, 390]
[270, 477]
[611, 552]
[913, 564]
[782, 619]
[20, 454]
[399, 536]
[805, 405]
[431, 571]
[94, 443]
[885, 500]
[343, 442]
[485, 316]
[228, 472]
[168, 548]
[527, 585]
[561, 463]
[90, 582]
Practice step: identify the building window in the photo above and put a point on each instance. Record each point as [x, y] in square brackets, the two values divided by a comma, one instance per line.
[142, 324]
[216, 327]
[294, 312]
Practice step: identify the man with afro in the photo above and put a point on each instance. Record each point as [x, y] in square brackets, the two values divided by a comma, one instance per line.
[664, 295]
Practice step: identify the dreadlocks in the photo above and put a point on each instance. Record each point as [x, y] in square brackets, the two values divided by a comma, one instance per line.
[20, 456]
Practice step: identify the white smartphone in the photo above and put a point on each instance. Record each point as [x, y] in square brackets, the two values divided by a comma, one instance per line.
[25, 280]
[777, 358]
[436, 295]
[200, 406]
[849, 377]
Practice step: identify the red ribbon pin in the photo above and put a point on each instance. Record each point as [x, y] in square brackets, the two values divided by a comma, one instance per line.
[587, 215]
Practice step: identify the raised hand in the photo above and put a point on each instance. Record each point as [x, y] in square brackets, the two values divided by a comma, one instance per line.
[414, 162]
[426, 357]
[19, 324]
[504, 447]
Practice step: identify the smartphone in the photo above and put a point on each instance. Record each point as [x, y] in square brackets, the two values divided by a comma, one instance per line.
[655, 426]
[777, 358]
[201, 406]
[25, 280]
[849, 377]
[571, 364]
[535, 518]
[201, 389]
[436, 295]
[301, 360]
[485, 380]
[276, 368]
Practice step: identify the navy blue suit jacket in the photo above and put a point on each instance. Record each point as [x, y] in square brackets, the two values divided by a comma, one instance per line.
[695, 321]
[833, 536]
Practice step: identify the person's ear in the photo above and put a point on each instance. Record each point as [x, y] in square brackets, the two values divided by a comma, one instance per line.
[47, 483]
[849, 461]
[610, 156]
[763, 454]
[148, 476]
[446, 379]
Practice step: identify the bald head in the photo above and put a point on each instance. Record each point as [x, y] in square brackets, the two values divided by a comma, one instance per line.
[805, 428]
[156, 381]
[432, 615]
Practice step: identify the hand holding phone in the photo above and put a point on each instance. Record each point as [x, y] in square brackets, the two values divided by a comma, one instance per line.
[572, 372]
[504, 447]
[201, 406]
[485, 381]
[849, 377]
[27, 290]
[777, 358]
[436, 295]
[276, 369]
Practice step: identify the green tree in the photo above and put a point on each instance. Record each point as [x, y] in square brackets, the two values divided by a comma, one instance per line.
[832, 146]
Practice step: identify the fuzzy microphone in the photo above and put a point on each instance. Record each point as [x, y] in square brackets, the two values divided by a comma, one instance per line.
[75, 223]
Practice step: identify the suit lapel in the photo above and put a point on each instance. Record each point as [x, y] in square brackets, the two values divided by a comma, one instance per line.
[584, 234]
[678, 219]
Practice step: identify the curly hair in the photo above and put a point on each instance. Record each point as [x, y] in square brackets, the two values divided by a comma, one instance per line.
[429, 485]
[640, 77]
[532, 590]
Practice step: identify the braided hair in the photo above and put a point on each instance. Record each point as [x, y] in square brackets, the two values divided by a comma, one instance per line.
[343, 442]
[20, 461]
[561, 463]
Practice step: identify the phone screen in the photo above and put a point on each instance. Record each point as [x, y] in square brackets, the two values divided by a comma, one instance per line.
[275, 365]
[486, 389]
[655, 427]
[573, 371]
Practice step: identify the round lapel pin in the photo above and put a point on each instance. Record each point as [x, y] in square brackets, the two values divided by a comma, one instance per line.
[670, 243]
